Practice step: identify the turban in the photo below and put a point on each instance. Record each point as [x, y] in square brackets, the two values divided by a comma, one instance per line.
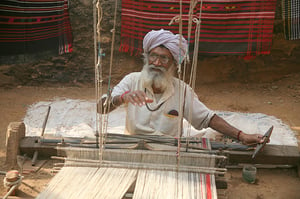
[166, 38]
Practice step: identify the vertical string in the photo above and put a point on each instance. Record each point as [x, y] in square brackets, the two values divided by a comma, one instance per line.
[180, 91]
[96, 63]
[97, 15]
[194, 66]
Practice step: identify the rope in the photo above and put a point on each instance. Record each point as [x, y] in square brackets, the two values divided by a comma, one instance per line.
[113, 31]
[102, 118]
[8, 184]
[12, 185]
[195, 57]
[192, 81]
[191, 19]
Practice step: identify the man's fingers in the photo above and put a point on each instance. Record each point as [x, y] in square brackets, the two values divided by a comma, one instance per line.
[148, 100]
[251, 144]
[139, 98]
[135, 99]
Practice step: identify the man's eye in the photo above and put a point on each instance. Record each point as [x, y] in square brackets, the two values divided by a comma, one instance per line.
[165, 59]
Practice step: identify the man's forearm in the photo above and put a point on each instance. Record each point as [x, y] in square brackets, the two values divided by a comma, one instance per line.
[219, 124]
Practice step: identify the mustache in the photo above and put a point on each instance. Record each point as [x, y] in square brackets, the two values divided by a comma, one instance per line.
[162, 69]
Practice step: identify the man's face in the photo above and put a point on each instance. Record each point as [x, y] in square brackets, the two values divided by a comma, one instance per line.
[159, 68]
[160, 57]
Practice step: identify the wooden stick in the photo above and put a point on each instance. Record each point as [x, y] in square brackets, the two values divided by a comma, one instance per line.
[163, 167]
[45, 121]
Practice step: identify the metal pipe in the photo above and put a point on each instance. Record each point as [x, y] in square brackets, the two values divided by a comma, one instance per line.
[34, 158]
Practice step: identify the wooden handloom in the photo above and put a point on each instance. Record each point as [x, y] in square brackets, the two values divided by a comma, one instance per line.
[76, 157]
[135, 173]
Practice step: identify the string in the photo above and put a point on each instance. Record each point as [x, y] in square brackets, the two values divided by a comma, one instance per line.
[156, 107]
[97, 17]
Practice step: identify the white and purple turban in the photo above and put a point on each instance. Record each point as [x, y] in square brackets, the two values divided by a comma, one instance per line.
[166, 38]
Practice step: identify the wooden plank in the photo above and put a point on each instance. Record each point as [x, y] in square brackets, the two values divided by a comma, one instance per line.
[272, 154]
[29, 145]
[161, 157]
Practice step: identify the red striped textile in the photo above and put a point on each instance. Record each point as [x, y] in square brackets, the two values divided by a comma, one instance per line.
[208, 187]
[29, 26]
[227, 26]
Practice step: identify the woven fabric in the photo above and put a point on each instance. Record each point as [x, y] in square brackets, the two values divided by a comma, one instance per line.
[227, 26]
[29, 26]
[291, 19]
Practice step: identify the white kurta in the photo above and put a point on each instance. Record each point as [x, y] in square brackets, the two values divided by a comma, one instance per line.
[139, 120]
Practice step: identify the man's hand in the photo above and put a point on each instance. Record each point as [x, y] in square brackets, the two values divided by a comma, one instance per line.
[220, 125]
[251, 139]
[136, 97]
[102, 104]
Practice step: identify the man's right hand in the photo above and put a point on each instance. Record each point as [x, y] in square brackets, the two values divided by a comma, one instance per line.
[136, 98]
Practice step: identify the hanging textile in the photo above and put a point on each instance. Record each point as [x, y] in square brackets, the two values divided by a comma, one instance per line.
[291, 19]
[30, 26]
[237, 27]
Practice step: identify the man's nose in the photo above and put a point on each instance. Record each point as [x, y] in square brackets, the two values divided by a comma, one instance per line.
[157, 62]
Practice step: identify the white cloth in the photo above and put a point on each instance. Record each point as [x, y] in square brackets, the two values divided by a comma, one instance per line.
[139, 120]
[175, 43]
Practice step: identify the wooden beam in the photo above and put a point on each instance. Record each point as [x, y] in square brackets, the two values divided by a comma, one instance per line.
[29, 145]
[271, 154]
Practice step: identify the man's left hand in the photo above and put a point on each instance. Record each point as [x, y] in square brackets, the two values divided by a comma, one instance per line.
[252, 139]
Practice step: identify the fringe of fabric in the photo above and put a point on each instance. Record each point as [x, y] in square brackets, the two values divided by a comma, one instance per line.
[34, 25]
[291, 19]
[237, 27]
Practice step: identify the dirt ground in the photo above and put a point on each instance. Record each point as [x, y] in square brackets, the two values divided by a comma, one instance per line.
[280, 98]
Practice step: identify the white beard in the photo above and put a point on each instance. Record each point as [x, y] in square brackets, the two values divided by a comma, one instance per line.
[159, 79]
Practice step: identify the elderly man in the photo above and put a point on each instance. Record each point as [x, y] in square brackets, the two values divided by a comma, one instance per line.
[153, 97]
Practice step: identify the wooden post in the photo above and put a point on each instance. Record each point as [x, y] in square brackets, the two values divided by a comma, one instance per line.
[15, 132]
[297, 133]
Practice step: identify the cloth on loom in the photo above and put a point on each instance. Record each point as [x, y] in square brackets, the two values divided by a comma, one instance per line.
[237, 27]
[32, 26]
[76, 118]
[99, 183]
[291, 19]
